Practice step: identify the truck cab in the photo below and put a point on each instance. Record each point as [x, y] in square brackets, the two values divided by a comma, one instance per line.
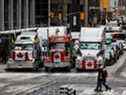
[92, 41]
[60, 49]
[21, 56]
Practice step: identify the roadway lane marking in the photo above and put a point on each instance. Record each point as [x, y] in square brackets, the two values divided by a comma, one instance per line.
[26, 88]
[3, 85]
[19, 88]
[75, 74]
[88, 91]
[20, 76]
[124, 93]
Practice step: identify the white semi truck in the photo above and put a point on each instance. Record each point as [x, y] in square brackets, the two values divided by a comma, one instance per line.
[92, 41]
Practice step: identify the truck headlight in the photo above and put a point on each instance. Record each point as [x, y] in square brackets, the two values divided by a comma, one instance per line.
[10, 61]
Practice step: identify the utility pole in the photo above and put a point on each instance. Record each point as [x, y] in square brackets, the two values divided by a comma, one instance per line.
[65, 12]
[86, 13]
[49, 9]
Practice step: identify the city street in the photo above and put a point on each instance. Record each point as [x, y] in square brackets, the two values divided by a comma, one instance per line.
[42, 83]
[62, 47]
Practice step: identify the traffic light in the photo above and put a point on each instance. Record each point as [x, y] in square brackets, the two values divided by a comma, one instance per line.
[82, 15]
[51, 14]
[60, 16]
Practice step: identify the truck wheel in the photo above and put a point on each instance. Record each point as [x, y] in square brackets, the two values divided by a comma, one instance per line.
[116, 57]
[112, 61]
[72, 63]
[68, 69]
[35, 67]
[107, 62]
[47, 69]
[78, 70]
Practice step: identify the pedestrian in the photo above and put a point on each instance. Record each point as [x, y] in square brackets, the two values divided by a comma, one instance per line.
[101, 79]
[104, 82]
[37, 52]
[77, 49]
[36, 48]
[4, 49]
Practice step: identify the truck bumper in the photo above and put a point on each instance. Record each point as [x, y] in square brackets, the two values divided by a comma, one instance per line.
[61, 65]
[19, 64]
[87, 67]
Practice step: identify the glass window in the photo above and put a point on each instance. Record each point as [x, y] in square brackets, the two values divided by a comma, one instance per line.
[119, 36]
[24, 46]
[25, 38]
[88, 45]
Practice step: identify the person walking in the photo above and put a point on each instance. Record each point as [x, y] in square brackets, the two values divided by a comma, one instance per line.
[101, 79]
[104, 80]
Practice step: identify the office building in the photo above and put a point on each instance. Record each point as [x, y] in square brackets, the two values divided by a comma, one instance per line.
[17, 14]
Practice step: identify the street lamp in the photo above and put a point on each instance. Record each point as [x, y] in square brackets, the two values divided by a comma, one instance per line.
[49, 8]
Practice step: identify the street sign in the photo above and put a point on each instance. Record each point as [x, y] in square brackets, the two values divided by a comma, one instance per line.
[74, 20]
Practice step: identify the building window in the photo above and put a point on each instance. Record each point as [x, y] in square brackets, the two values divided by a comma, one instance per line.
[22, 13]
[15, 14]
[6, 13]
[41, 12]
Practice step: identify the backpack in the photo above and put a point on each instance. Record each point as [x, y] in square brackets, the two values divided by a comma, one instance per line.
[105, 73]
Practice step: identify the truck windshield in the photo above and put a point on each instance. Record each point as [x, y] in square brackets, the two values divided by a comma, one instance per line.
[24, 46]
[90, 45]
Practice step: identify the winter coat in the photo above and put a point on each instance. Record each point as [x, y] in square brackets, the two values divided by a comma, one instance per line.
[102, 74]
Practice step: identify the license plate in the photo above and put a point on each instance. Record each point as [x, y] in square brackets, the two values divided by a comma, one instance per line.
[20, 59]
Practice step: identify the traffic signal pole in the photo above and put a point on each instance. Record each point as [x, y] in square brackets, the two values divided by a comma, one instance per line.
[65, 12]
[86, 13]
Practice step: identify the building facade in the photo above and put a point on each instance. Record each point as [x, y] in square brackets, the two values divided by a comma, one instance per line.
[121, 7]
[16, 14]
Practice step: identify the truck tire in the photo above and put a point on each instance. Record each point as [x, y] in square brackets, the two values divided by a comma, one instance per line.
[35, 67]
[107, 62]
[47, 69]
[78, 70]
[68, 69]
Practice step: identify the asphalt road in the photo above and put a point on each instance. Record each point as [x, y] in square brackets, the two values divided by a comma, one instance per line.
[42, 83]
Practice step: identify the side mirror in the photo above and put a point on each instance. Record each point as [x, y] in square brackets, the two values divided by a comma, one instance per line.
[108, 42]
